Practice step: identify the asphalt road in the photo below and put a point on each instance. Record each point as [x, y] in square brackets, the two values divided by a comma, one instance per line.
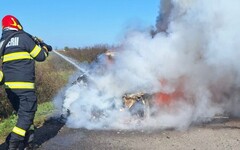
[217, 135]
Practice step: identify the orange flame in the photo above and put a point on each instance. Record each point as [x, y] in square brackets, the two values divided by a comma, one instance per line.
[162, 98]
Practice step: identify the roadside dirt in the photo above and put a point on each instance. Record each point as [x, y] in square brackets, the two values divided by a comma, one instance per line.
[219, 134]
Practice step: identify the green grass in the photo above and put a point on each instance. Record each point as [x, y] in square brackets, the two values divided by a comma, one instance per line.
[43, 112]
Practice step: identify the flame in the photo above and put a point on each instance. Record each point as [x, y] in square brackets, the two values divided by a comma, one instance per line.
[164, 98]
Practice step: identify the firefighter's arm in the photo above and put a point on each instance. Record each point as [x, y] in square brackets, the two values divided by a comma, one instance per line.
[38, 50]
[40, 42]
[1, 78]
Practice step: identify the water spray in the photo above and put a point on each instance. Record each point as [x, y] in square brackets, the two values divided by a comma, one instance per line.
[70, 61]
[84, 76]
[81, 79]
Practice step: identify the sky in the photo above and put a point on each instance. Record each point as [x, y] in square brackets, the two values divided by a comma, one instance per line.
[80, 23]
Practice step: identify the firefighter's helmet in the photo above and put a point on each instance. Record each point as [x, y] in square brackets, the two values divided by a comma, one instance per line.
[11, 22]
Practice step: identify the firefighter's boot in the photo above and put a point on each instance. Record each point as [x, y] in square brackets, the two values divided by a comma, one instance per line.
[28, 140]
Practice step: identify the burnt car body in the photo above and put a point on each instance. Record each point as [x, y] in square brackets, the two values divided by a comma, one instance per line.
[139, 104]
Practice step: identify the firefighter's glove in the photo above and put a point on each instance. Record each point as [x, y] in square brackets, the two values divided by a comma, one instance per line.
[45, 46]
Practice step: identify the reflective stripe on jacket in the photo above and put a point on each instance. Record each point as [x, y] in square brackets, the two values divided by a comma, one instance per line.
[1, 77]
[19, 85]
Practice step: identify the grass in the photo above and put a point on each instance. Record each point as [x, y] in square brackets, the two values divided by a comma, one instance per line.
[43, 112]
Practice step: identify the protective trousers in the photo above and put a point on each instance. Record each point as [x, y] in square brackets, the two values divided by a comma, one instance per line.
[25, 104]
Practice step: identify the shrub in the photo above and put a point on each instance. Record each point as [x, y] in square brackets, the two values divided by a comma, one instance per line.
[51, 75]
[87, 54]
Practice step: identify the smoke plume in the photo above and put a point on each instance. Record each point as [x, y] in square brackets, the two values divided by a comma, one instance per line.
[195, 52]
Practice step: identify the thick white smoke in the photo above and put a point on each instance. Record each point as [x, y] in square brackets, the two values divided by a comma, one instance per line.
[196, 51]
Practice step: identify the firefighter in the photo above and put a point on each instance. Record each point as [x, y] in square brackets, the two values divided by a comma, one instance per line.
[19, 51]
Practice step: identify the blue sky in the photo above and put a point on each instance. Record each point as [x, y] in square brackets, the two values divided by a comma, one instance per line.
[79, 23]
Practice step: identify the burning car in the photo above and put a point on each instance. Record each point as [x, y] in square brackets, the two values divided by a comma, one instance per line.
[138, 104]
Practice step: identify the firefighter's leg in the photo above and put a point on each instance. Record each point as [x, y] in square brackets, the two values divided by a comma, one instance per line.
[26, 113]
[14, 99]
[7, 140]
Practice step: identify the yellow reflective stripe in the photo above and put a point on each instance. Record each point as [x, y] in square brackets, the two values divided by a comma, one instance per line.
[19, 85]
[1, 76]
[19, 131]
[36, 50]
[16, 56]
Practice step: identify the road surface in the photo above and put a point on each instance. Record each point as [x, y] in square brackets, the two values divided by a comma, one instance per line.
[222, 134]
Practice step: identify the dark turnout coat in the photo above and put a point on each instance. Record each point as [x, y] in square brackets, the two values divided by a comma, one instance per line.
[18, 60]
